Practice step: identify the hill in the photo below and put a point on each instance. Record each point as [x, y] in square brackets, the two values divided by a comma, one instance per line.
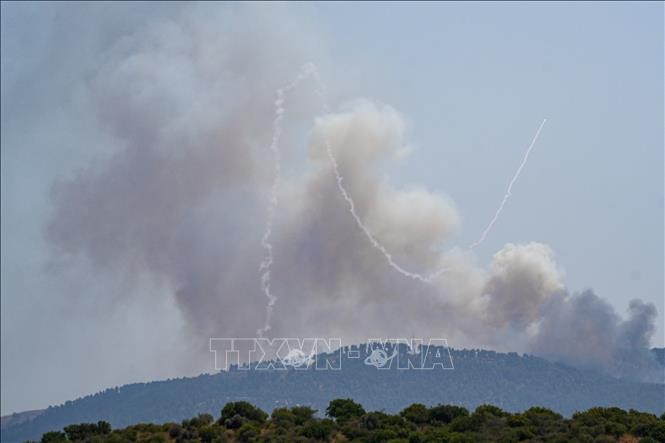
[509, 381]
[18, 417]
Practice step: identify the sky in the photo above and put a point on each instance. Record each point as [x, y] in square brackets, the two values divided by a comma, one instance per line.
[469, 84]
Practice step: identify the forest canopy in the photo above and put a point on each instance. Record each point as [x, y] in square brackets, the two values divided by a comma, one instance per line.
[347, 421]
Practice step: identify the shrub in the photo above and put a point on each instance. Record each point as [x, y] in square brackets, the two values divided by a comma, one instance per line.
[52, 437]
[416, 413]
[444, 414]
[243, 409]
[319, 430]
[302, 414]
[235, 422]
[344, 409]
[248, 432]
[489, 410]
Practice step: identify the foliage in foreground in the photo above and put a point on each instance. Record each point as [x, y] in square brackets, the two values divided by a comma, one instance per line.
[347, 421]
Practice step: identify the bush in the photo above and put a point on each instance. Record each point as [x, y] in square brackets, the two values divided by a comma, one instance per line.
[319, 430]
[214, 433]
[381, 436]
[302, 414]
[416, 413]
[463, 424]
[444, 414]
[282, 417]
[344, 409]
[52, 437]
[235, 422]
[84, 431]
[248, 432]
[175, 431]
[198, 421]
[243, 409]
[489, 410]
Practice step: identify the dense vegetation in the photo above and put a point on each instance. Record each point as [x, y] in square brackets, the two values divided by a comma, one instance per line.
[510, 381]
[347, 420]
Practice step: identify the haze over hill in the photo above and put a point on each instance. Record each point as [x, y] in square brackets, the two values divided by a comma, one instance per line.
[509, 381]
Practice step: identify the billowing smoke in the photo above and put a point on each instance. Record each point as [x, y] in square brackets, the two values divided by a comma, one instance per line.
[188, 102]
[525, 296]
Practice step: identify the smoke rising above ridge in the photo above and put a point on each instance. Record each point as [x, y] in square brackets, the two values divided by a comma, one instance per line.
[188, 105]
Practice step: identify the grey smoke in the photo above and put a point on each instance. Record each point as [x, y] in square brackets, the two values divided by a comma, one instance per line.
[187, 102]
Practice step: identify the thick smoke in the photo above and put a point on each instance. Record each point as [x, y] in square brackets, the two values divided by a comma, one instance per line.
[182, 199]
[524, 293]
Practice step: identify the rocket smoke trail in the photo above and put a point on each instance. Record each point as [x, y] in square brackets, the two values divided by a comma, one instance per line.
[268, 259]
[309, 69]
[352, 210]
[428, 278]
[361, 225]
[508, 191]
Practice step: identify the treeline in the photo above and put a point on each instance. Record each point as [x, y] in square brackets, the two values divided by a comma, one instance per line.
[347, 421]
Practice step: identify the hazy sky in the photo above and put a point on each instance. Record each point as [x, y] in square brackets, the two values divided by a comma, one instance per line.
[472, 81]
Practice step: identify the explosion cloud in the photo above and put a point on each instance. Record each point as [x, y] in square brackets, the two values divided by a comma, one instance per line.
[188, 106]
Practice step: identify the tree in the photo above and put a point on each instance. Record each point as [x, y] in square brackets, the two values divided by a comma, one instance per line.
[318, 429]
[243, 409]
[416, 413]
[85, 430]
[302, 414]
[282, 417]
[444, 414]
[53, 437]
[489, 410]
[248, 432]
[212, 433]
[344, 409]
[235, 422]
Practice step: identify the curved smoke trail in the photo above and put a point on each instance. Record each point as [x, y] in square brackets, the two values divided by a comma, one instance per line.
[352, 207]
[428, 278]
[309, 69]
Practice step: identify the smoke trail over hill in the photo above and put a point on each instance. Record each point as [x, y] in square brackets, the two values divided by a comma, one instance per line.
[182, 198]
[265, 240]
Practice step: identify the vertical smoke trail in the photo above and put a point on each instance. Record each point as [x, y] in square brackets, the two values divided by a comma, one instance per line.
[268, 259]
[508, 191]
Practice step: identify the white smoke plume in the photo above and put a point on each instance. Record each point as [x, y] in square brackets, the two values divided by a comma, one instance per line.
[187, 103]
[268, 260]
[489, 227]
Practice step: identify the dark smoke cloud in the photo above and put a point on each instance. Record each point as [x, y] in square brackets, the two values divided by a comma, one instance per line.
[187, 101]
[526, 294]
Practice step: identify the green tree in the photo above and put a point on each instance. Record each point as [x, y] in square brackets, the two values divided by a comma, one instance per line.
[53, 437]
[302, 414]
[416, 413]
[344, 409]
[318, 429]
[444, 414]
[212, 433]
[243, 409]
[248, 432]
[84, 431]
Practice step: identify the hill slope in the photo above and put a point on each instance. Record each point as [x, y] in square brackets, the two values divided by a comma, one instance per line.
[509, 381]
